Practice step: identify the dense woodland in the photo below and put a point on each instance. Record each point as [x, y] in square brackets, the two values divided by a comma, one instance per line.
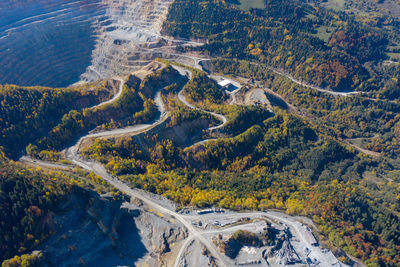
[134, 106]
[26, 113]
[300, 163]
[281, 164]
[357, 116]
[284, 36]
[28, 197]
[202, 89]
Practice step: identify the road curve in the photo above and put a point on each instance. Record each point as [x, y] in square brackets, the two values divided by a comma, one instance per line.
[186, 72]
[116, 96]
[185, 244]
[220, 117]
[134, 129]
[182, 98]
[72, 154]
[305, 84]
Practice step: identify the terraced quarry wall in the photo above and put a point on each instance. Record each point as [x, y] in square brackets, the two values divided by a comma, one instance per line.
[59, 42]
[128, 38]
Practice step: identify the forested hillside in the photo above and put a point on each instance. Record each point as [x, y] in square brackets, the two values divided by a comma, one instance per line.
[134, 106]
[27, 113]
[375, 118]
[200, 88]
[28, 198]
[285, 35]
[329, 152]
[282, 163]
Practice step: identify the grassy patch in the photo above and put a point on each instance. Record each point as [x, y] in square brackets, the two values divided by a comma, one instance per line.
[337, 5]
[311, 16]
[324, 32]
[394, 56]
[249, 4]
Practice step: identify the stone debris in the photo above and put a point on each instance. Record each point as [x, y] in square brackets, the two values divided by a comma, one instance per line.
[286, 254]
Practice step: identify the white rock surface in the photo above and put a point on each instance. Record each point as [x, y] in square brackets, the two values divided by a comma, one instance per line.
[60, 42]
[126, 35]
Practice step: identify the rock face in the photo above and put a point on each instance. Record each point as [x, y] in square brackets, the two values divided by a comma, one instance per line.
[59, 42]
[100, 231]
[94, 231]
[127, 37]
[267, 246]
[158, 235]
[286, 255]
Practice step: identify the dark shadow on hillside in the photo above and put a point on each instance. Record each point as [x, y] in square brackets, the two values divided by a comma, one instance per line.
[93, 231]
[235, 2]
[276, 101]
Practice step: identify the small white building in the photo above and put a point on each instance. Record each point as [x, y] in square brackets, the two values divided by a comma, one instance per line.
[225, 83]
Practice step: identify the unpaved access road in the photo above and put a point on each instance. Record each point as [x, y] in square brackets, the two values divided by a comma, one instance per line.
[72, 154]
[202, 235]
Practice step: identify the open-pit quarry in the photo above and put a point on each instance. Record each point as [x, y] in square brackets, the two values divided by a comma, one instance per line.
[165, 236]
[62, 42]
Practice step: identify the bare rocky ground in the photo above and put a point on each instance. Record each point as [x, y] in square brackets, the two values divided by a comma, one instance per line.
[147, 230]
[159, 235]
[129, 37]
[99, 231]
[95, 230]
[290, 241]
[92, 230]
[60, 42]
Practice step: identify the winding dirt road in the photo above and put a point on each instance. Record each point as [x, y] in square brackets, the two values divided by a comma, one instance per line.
[116, 96]
[306, 84]
[186, 72]
[72, 154]
[202, 235]
[220, 117]
[134, 129]
[182, 98]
